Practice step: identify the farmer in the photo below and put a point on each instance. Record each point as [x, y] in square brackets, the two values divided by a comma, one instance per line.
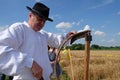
[23, 46]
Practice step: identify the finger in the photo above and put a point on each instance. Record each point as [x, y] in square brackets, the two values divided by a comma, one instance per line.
[40, 78]
[37, 75]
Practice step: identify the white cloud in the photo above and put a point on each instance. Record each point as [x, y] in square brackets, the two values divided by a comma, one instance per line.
[102, 3]
[111, 41]
[106, 2]
[118, 33]
[87, 27]
[103, 26]
[56, 17]
[103, 40]
[99, 33]
[77, 23]
[64, 25]
[118, 13]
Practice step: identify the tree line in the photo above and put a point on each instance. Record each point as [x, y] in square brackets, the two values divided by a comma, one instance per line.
[92, 47]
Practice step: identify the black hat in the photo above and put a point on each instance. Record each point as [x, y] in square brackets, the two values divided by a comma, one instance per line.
[41, 10]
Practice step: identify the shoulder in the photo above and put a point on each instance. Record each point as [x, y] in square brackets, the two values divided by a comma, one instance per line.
[44, 32]
[17, 26]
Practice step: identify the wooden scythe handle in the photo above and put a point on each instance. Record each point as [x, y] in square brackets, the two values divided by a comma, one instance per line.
[73, 38]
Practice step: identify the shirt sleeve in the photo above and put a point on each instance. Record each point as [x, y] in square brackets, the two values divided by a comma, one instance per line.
[12, 61]
[55, 40]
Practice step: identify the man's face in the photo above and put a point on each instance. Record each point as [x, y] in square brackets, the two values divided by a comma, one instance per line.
[37, 23]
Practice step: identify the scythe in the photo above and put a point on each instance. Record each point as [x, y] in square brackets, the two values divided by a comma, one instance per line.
[72, 39]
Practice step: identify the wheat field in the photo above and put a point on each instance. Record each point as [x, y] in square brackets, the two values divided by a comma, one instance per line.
[103, 65]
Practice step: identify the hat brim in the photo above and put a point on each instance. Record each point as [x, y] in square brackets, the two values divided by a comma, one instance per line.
[34, 11]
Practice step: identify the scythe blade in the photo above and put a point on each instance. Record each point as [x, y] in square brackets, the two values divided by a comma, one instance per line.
[79, 35]
[73, 38]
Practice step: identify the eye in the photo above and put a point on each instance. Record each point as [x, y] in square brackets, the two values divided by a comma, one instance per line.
[39, 18]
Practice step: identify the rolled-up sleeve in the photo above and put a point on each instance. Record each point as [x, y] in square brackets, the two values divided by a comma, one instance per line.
[12, 60]
[55, 40]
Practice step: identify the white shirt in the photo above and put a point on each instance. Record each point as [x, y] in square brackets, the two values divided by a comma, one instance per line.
[20, 45]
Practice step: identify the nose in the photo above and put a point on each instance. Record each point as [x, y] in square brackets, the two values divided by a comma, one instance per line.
[41, 21]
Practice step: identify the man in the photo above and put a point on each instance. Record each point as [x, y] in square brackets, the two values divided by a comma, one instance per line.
[23, 46]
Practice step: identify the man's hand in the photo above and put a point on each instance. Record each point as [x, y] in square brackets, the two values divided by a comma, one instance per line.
[37, 70]
[71, 34]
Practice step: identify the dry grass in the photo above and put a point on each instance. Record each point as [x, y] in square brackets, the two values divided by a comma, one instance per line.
[104, 65]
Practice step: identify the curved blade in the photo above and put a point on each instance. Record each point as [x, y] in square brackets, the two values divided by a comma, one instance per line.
[73, 38]
[79, 35]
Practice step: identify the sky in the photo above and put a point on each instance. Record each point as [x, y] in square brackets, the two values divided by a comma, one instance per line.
[102, 17]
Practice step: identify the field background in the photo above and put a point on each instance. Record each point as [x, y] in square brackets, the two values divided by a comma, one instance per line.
[104, 65]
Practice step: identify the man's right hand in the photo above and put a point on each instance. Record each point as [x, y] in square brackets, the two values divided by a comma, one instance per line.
[37, 70]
